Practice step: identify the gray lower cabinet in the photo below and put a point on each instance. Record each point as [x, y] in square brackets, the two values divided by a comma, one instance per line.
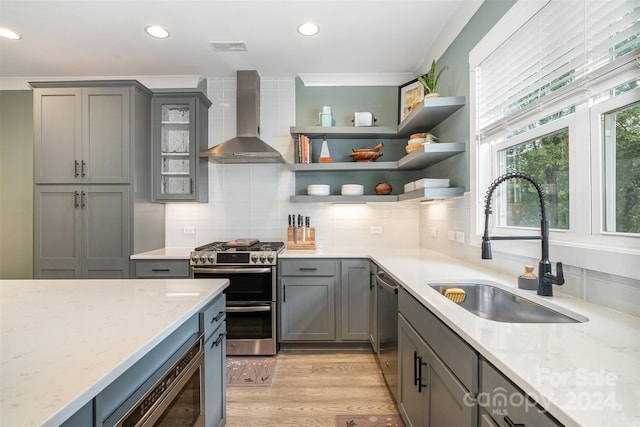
[437, 370]
[354, 289]
[161, 268]
[324, 300]
[214, 327]
[307, 308]
[505, 405]
[81, 231]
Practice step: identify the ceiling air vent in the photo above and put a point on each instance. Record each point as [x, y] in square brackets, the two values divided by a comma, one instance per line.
[229, 46]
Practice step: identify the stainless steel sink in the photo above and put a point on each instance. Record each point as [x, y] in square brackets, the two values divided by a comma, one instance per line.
[493, 303]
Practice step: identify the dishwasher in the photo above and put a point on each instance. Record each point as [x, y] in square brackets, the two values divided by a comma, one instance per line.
[387, 308]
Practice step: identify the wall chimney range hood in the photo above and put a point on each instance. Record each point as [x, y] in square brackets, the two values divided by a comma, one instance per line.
[246, 147]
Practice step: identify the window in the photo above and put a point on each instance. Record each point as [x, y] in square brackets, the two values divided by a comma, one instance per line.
[545, 159]
[622, 169]
[556, 95]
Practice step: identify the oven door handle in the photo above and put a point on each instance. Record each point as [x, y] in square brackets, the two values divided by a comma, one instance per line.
[224, 270]
[248, 309]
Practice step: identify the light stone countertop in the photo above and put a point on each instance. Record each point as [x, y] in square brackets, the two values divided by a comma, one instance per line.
[63, 341]
[164, 253]
[584, 374]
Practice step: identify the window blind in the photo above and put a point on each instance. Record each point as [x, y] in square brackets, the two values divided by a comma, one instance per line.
[556, 53]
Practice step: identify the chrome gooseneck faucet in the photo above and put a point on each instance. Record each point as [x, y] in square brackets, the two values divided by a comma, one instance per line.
[546, 279]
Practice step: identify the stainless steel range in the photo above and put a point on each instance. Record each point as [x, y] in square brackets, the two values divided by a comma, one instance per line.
[250, 266]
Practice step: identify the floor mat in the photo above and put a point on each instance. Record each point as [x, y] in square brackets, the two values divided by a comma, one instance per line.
[390, 420]
[250, 371]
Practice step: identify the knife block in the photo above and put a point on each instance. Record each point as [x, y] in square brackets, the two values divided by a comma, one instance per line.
[308, 241]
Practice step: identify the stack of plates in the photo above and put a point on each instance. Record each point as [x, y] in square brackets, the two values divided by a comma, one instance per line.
[352, 190]
[318, 190]
[418, 139]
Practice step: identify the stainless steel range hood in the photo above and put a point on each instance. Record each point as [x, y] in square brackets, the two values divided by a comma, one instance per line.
[246, 147]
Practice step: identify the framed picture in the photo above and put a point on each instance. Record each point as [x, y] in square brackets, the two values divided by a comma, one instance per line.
[410, 96]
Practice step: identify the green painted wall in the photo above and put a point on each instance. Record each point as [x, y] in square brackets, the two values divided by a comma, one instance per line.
[455, 81]
[382, 101]
[16, 184]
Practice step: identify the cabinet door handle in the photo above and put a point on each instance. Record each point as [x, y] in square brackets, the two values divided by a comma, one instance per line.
[83, 200]
[191, 186]
[218, 317]
[510, 423]
[83, 169]
[415, 368]
[420, 365]
[284, 293]
[218, 341]
[75, 199]
[75, 168]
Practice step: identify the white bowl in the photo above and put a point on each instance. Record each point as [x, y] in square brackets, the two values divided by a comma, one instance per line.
[318, 190]
[352, 190]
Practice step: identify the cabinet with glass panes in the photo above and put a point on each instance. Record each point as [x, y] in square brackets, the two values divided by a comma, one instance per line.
[179, 133]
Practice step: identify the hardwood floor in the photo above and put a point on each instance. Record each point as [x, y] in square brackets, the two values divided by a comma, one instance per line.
[310, 390]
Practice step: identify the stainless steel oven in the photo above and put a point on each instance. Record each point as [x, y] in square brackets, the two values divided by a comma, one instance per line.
[251, 294]
[176, 398]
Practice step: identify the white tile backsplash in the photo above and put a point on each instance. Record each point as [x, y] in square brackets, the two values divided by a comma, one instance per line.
[252, 200]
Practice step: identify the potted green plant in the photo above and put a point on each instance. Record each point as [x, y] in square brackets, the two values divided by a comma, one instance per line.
[430, 80]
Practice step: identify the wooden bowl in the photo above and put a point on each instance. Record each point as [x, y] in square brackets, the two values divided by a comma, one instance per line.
[410, 147]
[374, 148]
[365, 156]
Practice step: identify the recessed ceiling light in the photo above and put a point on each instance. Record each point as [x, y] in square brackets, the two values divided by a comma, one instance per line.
[157, 32]
[9, 34]
[308, 29]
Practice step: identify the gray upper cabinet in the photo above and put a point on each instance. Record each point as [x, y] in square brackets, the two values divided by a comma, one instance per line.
[179, 133]
[92, 175]
[82, 135]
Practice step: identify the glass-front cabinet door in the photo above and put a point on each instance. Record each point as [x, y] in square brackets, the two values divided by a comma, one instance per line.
[179, 134]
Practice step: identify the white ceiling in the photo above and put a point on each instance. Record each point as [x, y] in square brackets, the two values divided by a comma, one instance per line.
[380, 41]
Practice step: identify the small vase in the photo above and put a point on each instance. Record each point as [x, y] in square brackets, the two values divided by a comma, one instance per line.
[325, 157]
[432, 95]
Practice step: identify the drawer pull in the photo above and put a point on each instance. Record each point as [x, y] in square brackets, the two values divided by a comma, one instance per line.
[218, 341]
[218, 317]
[415, 368]
[161, 269]
[420, 365]
[308, 268]
[510, 423]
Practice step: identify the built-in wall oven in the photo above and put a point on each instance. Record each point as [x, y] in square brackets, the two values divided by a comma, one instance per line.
[250, 266]
[174, 396]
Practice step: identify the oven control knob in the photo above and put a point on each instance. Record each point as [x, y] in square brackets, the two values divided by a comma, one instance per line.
[270, 258]
[203, 259]
[195, 258]
[262, 258]
[212, 259]
[254, 259]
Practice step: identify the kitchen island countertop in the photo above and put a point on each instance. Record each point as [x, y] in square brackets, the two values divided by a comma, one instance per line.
[64, 341]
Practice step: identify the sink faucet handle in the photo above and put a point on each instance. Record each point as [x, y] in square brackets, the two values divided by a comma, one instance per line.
[558, 279]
